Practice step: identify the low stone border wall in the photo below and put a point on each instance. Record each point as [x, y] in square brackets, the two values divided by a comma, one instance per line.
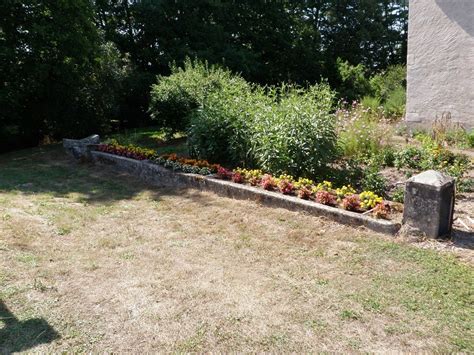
[161, 176]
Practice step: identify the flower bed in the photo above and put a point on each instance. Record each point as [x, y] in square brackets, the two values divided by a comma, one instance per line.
[344, 197]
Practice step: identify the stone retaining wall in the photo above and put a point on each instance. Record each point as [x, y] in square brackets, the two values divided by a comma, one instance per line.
[160, 176]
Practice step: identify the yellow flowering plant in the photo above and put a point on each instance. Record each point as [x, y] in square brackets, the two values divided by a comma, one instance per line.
[303, 182]
[369, 200]
[344, 191]
[322, 186]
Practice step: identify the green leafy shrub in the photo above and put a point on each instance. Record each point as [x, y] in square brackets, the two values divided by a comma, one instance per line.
[398, 195]
[374, 181]
[465, 185]
[392, 79]
[470, 139]
[281, 130]
[221, 130]
[431, 155]
[354, 81]
[394, 106]
[371, 102]
[409, 157]
[296, 133]
[175, 97]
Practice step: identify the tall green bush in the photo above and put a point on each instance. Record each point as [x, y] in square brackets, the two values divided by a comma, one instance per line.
[175, 97]
[296, 134]
[221, 130]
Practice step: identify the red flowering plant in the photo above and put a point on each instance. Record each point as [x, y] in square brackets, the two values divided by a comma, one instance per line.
[285, 186]
[204, 165]
[224, 173]
[129, 151]
[304, 193]
[382, 210]
[325, 198]
[351, 203]
[237, 178]
[268, 182]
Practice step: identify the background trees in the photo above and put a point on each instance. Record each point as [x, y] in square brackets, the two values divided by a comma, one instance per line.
[72, 67]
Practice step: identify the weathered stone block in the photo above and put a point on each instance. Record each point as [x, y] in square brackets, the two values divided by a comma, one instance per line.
[429, 203]
[80, 148]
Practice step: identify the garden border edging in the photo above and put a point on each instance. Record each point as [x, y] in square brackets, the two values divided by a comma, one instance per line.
[160, 176]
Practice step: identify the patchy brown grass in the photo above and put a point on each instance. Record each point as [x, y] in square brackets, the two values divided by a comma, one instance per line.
[92, 261]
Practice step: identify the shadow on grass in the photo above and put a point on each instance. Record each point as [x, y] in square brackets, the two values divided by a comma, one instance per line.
[23, 335]
[462, 239]
[49, 170]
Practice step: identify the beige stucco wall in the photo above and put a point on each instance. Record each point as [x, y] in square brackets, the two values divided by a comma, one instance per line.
[440, 61]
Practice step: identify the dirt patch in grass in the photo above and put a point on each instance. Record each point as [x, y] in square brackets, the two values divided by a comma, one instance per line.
[92, 261]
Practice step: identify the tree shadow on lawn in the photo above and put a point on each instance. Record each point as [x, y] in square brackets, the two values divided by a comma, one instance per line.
[49, 170]
[19, 335]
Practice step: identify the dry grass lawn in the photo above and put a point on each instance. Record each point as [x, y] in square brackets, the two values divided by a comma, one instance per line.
[92, 261]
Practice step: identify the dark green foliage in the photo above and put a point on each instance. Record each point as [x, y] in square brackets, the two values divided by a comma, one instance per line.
[354, 81]
[348, 172]
[387, 155]
[268, 42]
[410, 157]
[465, 185]
[385, 83]
[61, 79]
[64, 78]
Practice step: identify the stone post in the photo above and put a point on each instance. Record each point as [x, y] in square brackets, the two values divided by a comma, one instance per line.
[429, 203]
[80, 148]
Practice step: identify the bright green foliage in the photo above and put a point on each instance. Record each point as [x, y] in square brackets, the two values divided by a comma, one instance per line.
[296, 134]
[394, 106]
[398, 195]
[221, 130]
[374, 181]
[371, 103]
[433, 156]
[388, 89]
[175, 97]
[386, 82]
[281, 130]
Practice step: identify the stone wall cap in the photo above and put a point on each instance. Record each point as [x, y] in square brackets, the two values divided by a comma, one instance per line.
[432, 178]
